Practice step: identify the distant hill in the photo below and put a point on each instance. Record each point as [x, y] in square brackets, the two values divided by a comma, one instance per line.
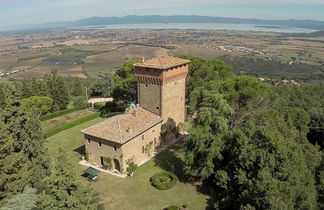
[310, 24]
[133, 19]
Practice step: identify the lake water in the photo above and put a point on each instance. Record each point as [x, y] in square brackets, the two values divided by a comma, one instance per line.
[209, 26]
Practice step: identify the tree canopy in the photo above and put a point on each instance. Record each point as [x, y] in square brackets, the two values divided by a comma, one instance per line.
[37, 104]
[63, 190]
[24, 158]
[249, 145]
[125, 83]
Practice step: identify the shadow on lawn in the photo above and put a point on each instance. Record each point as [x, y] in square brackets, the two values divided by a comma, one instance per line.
[170, 161]
[205, 189]
[80, 150]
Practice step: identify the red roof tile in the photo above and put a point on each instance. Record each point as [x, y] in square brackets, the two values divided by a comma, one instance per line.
[124, 127]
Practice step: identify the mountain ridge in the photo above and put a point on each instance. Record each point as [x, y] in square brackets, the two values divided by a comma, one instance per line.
[151, 19]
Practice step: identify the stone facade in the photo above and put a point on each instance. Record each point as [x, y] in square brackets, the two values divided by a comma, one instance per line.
[143, 146]
[136, 150]
[144, 128]
[163, 91]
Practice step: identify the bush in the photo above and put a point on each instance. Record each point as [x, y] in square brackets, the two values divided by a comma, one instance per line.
[60, 113]
[86, 155]
[111, 107]
[80, 102]
[163, 180]
[107, 163]
[71, 125]
[98, 106]
[131, 167]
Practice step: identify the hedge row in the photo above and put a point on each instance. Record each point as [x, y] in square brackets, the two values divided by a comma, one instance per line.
[71, 125]
[60, 113]
[163, 180]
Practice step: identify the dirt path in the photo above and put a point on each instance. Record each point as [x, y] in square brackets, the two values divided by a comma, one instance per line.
[99, 100]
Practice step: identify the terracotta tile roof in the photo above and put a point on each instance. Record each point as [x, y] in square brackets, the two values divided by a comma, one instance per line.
[124, 127]
[162, 62]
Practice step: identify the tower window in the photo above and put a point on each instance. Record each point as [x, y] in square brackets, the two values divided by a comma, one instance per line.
[89, 141]
[99, 144]
[115, 148]
[158, 108]
[143, 149]
[142, 137]
[145, 85]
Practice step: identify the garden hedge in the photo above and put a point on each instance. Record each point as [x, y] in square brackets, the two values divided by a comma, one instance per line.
[60, 113]
[71, 124]
[163, 180]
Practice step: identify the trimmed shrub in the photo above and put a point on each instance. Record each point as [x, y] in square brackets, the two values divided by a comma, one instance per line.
[98, 106]
[111, 107]
[60, 113]
[71, 125]
[163, 180]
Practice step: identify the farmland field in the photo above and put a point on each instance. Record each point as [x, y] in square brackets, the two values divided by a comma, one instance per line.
[103, 51]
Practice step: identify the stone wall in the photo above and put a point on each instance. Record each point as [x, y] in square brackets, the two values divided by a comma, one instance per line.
[136, 150]
[139, 149]
[107, 149]
[149, 96]
[173, 101]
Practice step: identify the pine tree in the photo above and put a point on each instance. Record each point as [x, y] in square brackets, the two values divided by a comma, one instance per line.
[64, 190]
[125, 83]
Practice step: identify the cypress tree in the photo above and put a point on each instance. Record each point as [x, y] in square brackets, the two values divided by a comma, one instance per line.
[14, 173]
[77, 87]
[58, 92]
[26, 161]
[63, 190]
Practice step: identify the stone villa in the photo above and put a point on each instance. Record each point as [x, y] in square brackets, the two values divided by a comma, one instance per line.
[144, 128]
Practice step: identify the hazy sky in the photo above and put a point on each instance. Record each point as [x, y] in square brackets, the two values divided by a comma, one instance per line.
[17, 12]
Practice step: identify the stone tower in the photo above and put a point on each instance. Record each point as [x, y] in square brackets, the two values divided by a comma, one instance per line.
[161, 86]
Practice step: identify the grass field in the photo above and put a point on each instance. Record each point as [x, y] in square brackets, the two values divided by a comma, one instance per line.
[194, 49]
[133, 193]
[7, 61]
[72, 55]
[41, 70]
[58, 121]
[109, 61]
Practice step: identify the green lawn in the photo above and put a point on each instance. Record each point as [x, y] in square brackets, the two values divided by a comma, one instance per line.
[135, 192]
[50, 124]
